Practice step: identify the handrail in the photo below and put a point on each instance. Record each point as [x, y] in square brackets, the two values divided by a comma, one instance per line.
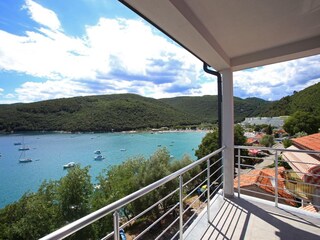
[94, 216]
[278, 149]
[293, 190]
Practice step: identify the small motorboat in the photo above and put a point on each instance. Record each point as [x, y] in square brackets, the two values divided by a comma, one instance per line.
[25, 160]
[69, 165]
[99, 157]
[97, 152]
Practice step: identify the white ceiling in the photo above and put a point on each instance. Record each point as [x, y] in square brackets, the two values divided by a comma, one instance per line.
[237, 34]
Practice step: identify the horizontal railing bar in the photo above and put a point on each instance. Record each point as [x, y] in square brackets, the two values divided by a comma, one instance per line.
[245, 165]
[94, 216]
[215, 162]
[203, 182]
[186, 183]
[317, 175]
[174, 236]
[189, 219]
[149, 208]
[306, 193]
[247, 190]
[250, 157]
[167, 228]
[216, 171]
[155, 222]
[298, 162]
[304, 183]
[194, 201]
[277, 149]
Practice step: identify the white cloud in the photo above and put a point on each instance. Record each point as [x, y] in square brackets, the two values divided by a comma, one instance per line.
[125, 55]
[278, 80]
[1, 90]
[111, 57]
[42, 15]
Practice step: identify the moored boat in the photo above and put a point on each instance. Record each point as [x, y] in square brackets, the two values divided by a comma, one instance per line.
[99, 157]
[69, 165]
[24, 148]
[25, 160]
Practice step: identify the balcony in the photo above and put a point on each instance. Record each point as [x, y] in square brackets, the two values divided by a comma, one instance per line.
[269, 209]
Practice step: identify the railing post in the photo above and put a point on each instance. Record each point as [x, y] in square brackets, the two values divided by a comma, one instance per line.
[208, 189]
[180, 207]
[116, 225]
[276, 162]
[239, 172]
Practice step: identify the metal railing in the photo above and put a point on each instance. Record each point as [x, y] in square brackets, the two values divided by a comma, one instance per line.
[293, 190]
[211, 177]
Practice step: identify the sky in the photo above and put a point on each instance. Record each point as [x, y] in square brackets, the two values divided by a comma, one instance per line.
[64, 48]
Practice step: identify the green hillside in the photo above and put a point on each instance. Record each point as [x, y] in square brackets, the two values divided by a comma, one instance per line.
[203, 109]
[307, 100]
[94, 113]
[206, 107]
[121, 112]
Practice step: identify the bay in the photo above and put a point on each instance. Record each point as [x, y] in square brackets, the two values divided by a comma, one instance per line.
[50, 151]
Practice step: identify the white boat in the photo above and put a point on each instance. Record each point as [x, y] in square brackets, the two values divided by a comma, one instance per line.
[99, 157]
[23, 158]
[97, 152]
[69, 165]
[123, 149]
[17, 143]
[24, 148]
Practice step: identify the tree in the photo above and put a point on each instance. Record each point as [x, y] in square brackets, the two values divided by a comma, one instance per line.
[74, 192]
[287, 142]
[302, 122]
[268, 130]
[33, 216]
[239, 138]
[267, 141]
[209, 143]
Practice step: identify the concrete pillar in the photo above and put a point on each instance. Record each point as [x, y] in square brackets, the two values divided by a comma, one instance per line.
[228, 131]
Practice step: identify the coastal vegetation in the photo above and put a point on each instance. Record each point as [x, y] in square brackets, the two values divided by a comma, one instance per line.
[57, 203]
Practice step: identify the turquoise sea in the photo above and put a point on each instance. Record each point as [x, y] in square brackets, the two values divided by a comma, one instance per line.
[49, 152]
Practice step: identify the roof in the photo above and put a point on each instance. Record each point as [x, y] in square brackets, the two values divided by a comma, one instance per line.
[301, 163]
[310, 208]
[251, 141]
[263, 179]
[310, 142]
[237, 34]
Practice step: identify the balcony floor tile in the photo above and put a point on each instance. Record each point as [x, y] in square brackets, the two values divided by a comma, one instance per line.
[245, 218]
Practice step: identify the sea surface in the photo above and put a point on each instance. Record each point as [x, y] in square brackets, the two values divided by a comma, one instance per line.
[49, 152]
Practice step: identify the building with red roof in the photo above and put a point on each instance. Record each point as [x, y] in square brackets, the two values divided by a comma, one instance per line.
[306, 166]
[261, 184]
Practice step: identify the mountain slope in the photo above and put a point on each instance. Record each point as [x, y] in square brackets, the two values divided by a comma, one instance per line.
[307, 100]
[205, 108]
[120, 112]
[95, 113]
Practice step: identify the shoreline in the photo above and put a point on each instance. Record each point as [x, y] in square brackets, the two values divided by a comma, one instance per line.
[153, 131]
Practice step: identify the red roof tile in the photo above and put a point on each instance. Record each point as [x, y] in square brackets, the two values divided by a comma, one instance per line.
[311, 142]
[309, 208]
[262, 179]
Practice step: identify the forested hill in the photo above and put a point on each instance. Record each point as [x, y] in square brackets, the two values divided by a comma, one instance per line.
[206, 107]
[93, 113]
[307, 100]
[117, 112]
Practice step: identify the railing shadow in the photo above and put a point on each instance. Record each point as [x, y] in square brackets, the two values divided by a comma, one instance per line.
[232, 222]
